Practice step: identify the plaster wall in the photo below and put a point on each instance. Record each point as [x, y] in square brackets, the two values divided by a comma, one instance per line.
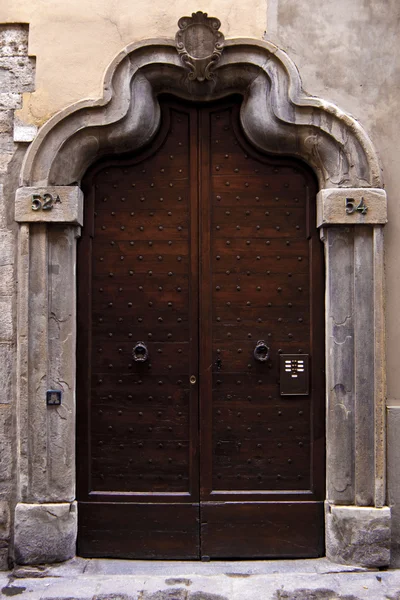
[77, 40]
[347, 53]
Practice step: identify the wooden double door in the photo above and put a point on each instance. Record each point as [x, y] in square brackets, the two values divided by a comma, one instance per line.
[194, 251]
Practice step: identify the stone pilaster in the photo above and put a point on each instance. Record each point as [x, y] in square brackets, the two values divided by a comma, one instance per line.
[355, 378]
[45, 517]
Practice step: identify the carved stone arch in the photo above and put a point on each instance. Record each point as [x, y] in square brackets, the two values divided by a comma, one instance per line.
[278, 117]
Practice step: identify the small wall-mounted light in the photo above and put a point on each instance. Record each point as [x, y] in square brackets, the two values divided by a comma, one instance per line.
[53, 397]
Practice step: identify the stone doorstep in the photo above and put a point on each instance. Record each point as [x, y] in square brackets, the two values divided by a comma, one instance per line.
[107, 567]
[281, 581]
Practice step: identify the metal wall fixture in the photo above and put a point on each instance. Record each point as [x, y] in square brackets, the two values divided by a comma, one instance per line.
[53, 397]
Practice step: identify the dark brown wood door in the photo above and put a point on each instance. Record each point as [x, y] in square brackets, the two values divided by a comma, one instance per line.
[196, 249]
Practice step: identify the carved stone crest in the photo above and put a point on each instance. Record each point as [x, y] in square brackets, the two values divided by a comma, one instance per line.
[199, 44]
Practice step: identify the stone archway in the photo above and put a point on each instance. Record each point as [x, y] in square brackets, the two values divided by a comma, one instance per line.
[277, 117]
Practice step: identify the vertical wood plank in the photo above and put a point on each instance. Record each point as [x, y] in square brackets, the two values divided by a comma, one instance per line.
[193, 246]
[205, 304]
[84, 344]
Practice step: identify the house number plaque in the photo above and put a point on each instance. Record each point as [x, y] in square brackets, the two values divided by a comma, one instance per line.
[45, 202]
[351, 206]
[53, 204]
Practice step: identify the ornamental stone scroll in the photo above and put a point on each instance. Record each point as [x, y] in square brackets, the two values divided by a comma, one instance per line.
[199, 44]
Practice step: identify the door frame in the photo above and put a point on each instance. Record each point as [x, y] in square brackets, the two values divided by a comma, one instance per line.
[278, 117]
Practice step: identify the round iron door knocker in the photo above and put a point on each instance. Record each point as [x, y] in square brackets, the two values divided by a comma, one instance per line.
[261, 351]
[140, 352]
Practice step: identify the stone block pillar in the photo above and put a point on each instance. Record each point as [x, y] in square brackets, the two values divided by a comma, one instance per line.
[45, 516]
[357, 521]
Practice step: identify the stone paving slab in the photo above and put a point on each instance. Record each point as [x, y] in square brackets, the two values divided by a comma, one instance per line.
[162, 580]
[173, 567]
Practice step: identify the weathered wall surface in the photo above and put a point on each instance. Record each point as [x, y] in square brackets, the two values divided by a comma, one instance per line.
[347, 53]
[16, 77]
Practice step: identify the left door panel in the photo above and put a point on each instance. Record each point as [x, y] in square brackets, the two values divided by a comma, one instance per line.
[138, 282]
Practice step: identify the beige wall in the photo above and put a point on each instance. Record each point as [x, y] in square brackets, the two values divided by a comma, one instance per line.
[75, 40]
[347, 52]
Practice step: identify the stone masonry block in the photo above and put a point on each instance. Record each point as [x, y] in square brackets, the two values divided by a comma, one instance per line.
[6, 318]
[4, 520]
[24, 132]
[5, 159]
[6, 121]
[10, 101]
[6, 142]
[358, 535]
[6, 362]
[393, 461]
[14, 40]
[4, 559]
[3, 208]
[7, 246]
[45, 533]
[17, 74]
[6, 280]
[338, 206]
[66, 204]
[6, 443]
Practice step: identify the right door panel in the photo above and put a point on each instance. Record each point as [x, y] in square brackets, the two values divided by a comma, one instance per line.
[262, 454]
